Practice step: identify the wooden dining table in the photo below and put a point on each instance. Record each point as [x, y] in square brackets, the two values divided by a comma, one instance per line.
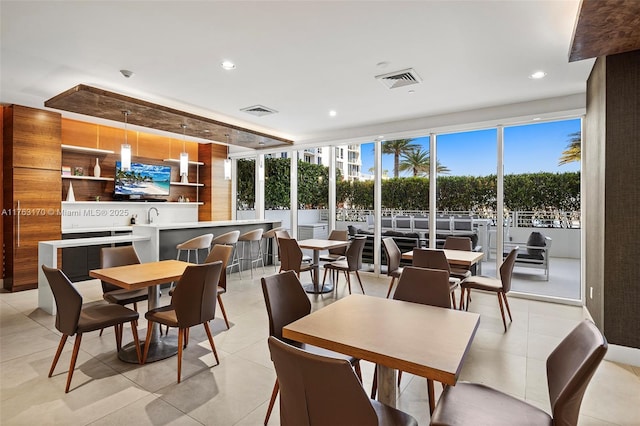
[317, 245]
[146, 275]
[462, 258]
[427, 341]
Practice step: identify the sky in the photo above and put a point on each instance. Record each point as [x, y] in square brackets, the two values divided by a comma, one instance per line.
[527, 149]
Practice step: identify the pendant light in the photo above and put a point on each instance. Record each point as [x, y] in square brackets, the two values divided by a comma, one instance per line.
[227, 162]
[184, 157]
[125, 148]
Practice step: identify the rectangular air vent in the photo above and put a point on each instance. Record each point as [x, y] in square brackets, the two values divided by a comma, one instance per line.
[258, 110]
[397, 79]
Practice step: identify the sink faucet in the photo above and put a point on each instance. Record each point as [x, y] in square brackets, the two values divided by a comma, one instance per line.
[149, 217]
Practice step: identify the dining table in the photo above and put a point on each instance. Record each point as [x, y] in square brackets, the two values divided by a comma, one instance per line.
[462, 258]
[146, 275]
[427, 341]
[318, 245]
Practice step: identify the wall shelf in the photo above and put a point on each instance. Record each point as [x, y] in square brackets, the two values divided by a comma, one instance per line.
[175, 160]
[85, 149]
[186, 184]
[86, 177]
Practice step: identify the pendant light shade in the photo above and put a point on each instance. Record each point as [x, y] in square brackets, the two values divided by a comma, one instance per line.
[125, 148]
[227, 169]
[184, 157]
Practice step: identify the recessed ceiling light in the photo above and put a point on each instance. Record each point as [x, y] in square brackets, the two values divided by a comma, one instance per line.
[536, 119]
[332, 113]
[382, 64]
[411, 92]
[228, 65]
[538, 75]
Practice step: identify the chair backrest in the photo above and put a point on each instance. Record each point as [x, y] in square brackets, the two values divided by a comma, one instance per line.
[68, 300]
[271, 233]
[506, 269]
[117, 256]
[254, 235]
[290, 255]
[196, 243]
[394, 255]
[318, 390]
[227, 238]
[286, 301]
[570, 368]
[425, 286]
[354, 253]
[458, 243]
[336, 235]
[222, 253]
[194, 298]
[430, 258]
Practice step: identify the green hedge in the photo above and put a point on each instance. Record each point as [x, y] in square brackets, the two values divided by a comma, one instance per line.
[524, 192]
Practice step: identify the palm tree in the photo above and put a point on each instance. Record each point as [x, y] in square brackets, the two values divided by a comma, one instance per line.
[397, 148]
[418, 162]
[573, 151]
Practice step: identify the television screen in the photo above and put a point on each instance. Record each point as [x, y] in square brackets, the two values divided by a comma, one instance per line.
[143, 180]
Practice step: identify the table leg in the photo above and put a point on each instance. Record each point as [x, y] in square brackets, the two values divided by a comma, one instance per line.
[432, 396]
[159, 348]
[315, 288]
[387, 385]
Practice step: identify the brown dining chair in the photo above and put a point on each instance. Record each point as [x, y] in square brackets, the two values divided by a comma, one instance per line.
[291, 258]
[287, 302]
[352, 263]
[570, 368]
[192, 303]
[72, 317]
[459, 243]
[283, 233]
[394, 255]
[337, 253]
[436, 259]
[500, 286]
[321, 390]
[427, 287]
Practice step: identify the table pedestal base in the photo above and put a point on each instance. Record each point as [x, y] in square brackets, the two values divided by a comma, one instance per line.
[313, 289]
[160, 349]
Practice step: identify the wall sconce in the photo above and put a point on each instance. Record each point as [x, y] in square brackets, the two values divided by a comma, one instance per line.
[184, 157]
[125, 148]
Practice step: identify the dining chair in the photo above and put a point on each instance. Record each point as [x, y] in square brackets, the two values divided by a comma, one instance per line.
[192, 303]
[283, 233]
[436, 259]
[120, 256]
[201, 242]
[337, 253]
[425, 286]
[230, 239]
[74, 318]
[322, 390]
[459, 243]
[394, 256]
[570, 368]
[291, 258]
[352, 263]
[500, 286]
[287, 302]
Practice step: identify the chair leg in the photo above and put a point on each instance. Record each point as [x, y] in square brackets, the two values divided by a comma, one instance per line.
[63, 340]
[180, 341]
[213, 345]
[466, 306]
[374, 385]
[101, 330]
[147, 341]
[118, 331]
[136, 341]
[432, 396]
[274, 394]
[324, 277]
[399, 377]
[453, 299]
[74, 357]
[461, 298]
[349, 282]
[356, 367]
[360, 281]
[135, 306]
[393, 280]
[224, 313]
[506, 303]
[186, 337]
[504, 322]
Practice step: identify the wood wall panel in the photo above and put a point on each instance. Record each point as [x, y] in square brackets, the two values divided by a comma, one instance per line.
[154, 146]
[110, 138]
[216, 193]
[79, 133]
[190, 147]
[36, 138]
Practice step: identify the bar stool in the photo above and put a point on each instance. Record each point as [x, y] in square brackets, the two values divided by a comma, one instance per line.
[230, 239]
[270, 238]
[193, 245]
[250, 238]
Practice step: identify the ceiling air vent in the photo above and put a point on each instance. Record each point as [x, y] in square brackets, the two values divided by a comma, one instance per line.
[397, 79]
[258, 110]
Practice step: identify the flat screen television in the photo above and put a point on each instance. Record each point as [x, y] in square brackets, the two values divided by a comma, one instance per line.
[142, 180]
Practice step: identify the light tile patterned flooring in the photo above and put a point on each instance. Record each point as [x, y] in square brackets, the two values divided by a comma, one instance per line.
[106, 391]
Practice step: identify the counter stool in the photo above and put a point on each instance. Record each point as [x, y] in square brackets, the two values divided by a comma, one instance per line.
[249, 238]
[230, 239]
[270, 238]
[193, 245]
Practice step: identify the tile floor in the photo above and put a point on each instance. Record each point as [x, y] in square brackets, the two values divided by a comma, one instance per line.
[106, 391]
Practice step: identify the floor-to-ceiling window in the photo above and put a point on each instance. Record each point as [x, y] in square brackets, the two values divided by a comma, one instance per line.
[245, 188]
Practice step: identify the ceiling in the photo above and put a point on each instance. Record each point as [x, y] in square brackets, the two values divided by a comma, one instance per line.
[300, 58]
